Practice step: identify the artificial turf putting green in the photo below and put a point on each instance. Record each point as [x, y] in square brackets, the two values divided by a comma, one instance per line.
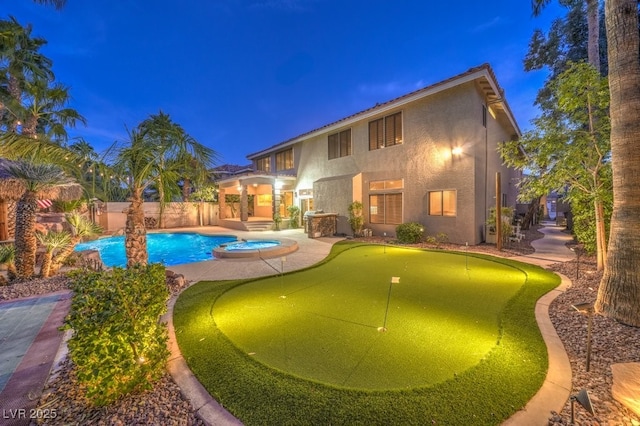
[323, 324]
[487, 393]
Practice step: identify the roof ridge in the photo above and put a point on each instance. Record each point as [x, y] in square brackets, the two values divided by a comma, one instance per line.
[485, 66]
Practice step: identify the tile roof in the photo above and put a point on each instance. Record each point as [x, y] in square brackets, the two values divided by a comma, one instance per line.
[380, 106]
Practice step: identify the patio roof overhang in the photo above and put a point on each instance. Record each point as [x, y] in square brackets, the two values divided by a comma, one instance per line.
[231, 183]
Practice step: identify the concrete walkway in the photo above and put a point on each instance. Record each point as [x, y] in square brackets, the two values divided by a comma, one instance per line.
[33, 329]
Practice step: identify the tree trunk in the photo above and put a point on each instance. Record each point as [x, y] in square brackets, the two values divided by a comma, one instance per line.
[601, 242]
[619, 292]
[63, 254]
[593, 25]
[529, 216]
[45, 269]
[186, 189]
[26, 243]
[135, 239]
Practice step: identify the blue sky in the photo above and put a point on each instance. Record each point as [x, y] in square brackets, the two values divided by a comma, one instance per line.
[242, 75]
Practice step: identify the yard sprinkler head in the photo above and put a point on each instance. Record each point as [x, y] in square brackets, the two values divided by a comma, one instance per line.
[382, 329]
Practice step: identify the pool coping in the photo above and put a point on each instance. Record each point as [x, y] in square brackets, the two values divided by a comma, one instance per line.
[285, 247]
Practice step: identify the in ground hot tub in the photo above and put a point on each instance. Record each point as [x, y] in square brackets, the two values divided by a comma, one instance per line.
[255, 248]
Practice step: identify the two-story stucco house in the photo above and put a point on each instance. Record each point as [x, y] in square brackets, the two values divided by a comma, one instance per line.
[429, 156]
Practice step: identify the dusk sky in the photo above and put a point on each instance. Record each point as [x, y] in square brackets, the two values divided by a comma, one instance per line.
[243, 75]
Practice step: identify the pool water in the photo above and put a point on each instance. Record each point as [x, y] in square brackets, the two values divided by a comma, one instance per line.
[166, 248]
[250, 245]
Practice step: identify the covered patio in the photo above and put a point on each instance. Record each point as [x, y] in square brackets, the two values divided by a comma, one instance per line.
[255, 200]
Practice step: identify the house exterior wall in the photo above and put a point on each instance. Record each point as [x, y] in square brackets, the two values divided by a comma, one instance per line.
[432, 127]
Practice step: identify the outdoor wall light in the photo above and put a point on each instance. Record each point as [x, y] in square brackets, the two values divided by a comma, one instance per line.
[239, 188]
[583, 399]
[456, 151]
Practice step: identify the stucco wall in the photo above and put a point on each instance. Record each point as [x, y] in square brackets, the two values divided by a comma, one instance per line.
[432, 127]
[112, 217]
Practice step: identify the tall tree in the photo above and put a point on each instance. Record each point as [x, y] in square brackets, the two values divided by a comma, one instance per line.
[20, 62]
[45, 111]
[619, 291]
[181, 157]
[135, 164]
[569, 145]
[35, 178]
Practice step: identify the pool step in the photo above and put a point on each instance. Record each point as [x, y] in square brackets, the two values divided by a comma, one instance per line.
[266, 225]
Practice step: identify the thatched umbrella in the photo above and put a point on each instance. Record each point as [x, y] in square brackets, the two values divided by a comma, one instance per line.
[12, 189]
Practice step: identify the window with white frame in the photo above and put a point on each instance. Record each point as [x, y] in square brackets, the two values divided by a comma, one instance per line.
[443, 203]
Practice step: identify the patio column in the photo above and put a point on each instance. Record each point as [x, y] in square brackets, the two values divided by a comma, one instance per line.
[244, 204]
[222, 204]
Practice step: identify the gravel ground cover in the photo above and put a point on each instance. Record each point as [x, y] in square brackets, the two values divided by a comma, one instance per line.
[164, 404]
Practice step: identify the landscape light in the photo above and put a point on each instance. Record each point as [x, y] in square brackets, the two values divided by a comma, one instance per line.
[587, 309]
[583, 399]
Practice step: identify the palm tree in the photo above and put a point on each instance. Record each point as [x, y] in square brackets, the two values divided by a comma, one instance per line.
[619, 291]
[44, 111]
[52, 242]
[35, 177]
[7, 257]
[180, 157]
[135, 164]
[81, 227]
[21, 61]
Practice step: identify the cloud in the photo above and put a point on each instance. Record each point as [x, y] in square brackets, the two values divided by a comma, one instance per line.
[389, 90]
[486, 25]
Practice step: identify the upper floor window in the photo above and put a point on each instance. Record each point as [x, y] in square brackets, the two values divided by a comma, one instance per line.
[340, 144]
[442, 203]
[386, 131]
[284, 160]
[263, 164]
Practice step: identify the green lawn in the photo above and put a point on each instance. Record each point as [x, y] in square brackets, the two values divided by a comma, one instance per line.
[461, 344]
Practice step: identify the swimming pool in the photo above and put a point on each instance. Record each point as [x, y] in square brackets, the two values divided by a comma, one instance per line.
[166, 248]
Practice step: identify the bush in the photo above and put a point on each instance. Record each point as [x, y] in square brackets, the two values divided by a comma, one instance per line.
[356, 218]
[410, 233]
[118, 345]
[294, 216]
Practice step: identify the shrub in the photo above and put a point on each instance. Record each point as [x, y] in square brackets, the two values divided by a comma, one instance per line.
[410, 233]
[439, 239]
[294, 216]
[356, 218]
[277, 219]
[118, 345]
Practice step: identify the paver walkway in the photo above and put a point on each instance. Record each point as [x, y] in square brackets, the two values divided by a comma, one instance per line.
[29, 342]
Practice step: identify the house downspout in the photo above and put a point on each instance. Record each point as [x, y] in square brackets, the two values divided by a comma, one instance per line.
[486, 170]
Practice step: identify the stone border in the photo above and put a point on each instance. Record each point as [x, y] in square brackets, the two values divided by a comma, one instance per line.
[286, 246]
